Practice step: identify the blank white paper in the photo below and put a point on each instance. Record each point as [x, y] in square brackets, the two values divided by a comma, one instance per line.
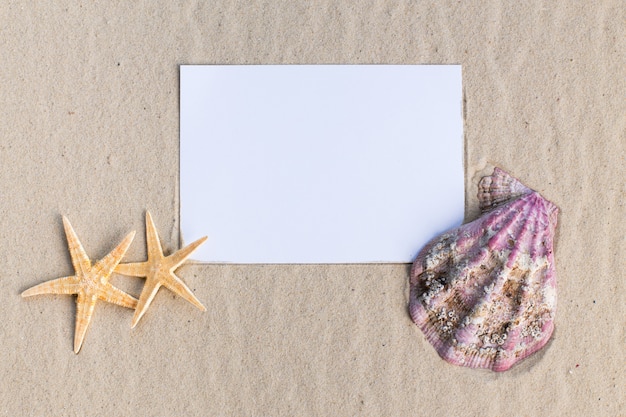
[319, 163]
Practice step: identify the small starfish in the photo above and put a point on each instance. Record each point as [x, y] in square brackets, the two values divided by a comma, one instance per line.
[90, 284]
[159, 271]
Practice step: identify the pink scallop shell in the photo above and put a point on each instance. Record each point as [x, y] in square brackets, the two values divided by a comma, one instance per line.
[484, 294]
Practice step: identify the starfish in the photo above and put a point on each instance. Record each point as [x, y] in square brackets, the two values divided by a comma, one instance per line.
[90, 284]
[159, 271]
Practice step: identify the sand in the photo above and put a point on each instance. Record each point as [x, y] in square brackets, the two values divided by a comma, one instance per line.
[89, 129]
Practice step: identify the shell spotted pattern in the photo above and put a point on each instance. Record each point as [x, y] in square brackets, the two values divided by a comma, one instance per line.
[484, 294]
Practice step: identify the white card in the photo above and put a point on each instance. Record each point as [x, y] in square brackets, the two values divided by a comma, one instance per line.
[319, 163]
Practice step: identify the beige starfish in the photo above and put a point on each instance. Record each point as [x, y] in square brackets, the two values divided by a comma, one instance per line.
[90, 284]
[159, 271]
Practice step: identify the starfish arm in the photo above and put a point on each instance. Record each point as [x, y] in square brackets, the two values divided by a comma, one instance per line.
[114, 295]
[80, 260]
[84, 309]
[138, 269]
[65, 285]
[150, 289]
[152, 238]
[179, 257]
[107, 264]
[178, 287]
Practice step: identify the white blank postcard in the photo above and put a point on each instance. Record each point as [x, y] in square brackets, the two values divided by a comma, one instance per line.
[319, 163]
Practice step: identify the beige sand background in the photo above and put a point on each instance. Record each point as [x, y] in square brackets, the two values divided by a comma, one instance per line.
[89, 128]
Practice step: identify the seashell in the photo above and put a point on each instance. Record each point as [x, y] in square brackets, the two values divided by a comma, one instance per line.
[484, 294]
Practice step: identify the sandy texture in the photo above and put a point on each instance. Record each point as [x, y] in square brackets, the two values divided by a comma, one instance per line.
[89, 129]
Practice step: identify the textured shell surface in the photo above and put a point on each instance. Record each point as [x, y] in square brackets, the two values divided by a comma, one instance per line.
[484, 294]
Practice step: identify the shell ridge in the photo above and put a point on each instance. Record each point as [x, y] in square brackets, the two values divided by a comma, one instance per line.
[419, 264]
[505, 361]
[472, 294]
[524, 335]
[501, 237]
[501, 217]
[525, 289]
[480, 304]
[445, 283]
[523, 239]
[542, 239]
[538, 239]
[473, 309]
